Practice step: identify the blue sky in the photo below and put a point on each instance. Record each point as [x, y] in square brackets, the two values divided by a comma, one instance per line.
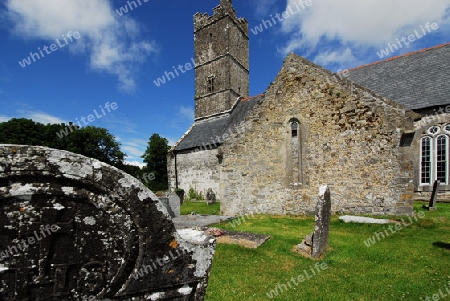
[117, 58]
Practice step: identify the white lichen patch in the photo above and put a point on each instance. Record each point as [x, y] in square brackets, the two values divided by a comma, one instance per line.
[157, 296]
[193, 236]
[185, 290]
[89, 220]
[3, 268]
[58, 206]
[67, 190]
[22, 191]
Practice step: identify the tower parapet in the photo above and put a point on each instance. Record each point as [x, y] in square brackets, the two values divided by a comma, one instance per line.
[223, 9]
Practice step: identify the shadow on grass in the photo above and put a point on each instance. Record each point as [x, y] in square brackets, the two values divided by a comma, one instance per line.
[442, 245]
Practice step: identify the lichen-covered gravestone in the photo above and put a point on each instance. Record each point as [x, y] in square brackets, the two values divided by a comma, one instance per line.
[316, 243]
[74, 228]
[322, 225]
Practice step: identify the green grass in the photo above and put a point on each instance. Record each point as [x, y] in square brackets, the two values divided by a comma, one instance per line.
[200, 208]
[406, 265]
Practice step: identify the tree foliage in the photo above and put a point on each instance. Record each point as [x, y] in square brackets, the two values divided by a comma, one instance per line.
[90, 141]
[156, 158]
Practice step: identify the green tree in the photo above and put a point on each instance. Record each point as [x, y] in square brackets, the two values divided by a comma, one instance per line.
[156, 158]
[93, 142]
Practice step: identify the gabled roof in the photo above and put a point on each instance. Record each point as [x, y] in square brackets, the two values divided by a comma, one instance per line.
[415, 80]
[204, 132]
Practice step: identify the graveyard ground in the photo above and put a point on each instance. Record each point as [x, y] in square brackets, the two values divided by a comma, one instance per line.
[408, 264]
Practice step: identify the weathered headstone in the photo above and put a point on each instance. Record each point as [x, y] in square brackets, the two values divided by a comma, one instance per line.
[174, 203]
[432, 204]
[316, 243]
[74, 228]
[210, 197]
[322, 227]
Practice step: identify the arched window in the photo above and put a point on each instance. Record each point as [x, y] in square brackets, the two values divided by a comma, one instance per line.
[434, 152]
[294, 155]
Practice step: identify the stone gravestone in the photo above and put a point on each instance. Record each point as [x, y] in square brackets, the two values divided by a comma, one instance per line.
[172, 204]
[74, 228]
[316, 243]
[432, 204]
[210, 197]
[322, 227]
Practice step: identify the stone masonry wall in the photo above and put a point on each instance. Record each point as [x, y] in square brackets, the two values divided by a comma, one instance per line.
[199, 170]
[421, 126]
[221, 54]
[349, 139]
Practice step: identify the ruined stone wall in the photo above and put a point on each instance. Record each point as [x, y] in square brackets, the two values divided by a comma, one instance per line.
[199, 170]
[349, 140]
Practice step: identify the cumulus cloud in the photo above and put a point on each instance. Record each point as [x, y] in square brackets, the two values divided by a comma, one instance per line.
[36, 116]
[356, 23]
[109, 40]
[327, 57]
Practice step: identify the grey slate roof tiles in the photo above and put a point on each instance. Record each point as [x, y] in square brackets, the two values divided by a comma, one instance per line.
[205, 133]
[415, 80]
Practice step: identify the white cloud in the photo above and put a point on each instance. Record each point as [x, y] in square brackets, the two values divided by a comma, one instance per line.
[40, 117]
[5, 118]
[44, 118]
[109, 40]
[134, 148]
[327, 57]
[133, 151]
[135, 163]
[368, 23]
[187, 112]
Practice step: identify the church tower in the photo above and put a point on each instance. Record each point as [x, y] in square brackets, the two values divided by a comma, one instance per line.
[221, 59]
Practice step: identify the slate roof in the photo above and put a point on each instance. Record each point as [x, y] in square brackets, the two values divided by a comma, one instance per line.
[204, 132]
[415, 80]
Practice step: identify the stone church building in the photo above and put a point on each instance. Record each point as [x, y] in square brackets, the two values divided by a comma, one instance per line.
[378, 135]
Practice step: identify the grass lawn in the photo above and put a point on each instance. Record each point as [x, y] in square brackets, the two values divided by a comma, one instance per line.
[411, 263]
[200, 208]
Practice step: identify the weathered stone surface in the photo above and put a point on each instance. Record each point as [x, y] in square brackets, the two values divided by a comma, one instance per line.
[432, 204]
[348, 137]
[322, 226]
[175, 203]
[365, 220]
[172, 203]
[221, 59]
[316, 243]
[113, 238]
[210, 197]
[198, 170]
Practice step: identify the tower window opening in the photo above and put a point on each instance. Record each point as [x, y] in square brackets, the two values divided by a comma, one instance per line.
[211, 84]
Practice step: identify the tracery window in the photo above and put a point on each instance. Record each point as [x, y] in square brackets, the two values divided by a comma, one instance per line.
[434, 152]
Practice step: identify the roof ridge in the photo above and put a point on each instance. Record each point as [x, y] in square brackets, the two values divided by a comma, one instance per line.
[400, 56]
[250, 97]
